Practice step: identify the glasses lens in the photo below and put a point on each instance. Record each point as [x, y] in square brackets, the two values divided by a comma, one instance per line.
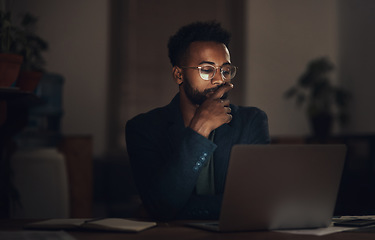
[207, 72]
[228, 72]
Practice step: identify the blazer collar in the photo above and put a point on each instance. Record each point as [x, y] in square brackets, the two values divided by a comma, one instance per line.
[174, 114]
[175, 121]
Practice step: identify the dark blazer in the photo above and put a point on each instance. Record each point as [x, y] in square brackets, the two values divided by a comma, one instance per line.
[166, 158]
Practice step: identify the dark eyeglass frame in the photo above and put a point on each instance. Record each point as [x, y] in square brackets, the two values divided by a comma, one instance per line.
[201, 74]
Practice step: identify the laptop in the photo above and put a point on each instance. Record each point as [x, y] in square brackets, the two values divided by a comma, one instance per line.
[272, 187]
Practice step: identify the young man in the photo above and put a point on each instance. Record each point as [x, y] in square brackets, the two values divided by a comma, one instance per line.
[179, 153]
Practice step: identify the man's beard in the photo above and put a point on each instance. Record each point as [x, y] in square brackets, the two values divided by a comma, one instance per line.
[197, 97]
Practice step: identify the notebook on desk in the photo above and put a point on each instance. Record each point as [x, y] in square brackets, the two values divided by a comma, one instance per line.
[272, 187]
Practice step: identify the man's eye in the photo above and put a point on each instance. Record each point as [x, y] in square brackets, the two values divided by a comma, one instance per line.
[226, 71]
[207, 70]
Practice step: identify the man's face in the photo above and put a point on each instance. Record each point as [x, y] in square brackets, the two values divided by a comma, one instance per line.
[200, 54]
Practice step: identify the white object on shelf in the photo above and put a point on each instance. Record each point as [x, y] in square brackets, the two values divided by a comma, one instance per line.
[40, 177]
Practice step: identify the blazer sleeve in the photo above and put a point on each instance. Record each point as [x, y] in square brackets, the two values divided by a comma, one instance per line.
[165, 168]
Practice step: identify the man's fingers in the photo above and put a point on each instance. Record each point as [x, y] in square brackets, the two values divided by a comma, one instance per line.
[222, 90]
[230, 117]
[224, 102]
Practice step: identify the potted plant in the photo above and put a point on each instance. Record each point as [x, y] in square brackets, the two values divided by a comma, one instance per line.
[324, 103]
[31, 49]
[10, 61]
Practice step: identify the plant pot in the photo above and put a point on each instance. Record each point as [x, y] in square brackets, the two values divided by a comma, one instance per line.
[9, 68]
[321, 125]
[28, 80]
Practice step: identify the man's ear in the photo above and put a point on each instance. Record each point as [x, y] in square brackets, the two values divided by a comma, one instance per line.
[177, 75]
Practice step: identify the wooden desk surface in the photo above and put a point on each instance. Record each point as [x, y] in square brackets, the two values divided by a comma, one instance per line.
[177, 230]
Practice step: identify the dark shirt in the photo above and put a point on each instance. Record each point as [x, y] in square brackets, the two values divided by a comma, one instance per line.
[166, 158]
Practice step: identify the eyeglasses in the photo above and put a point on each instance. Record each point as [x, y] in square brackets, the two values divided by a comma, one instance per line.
[207, 72]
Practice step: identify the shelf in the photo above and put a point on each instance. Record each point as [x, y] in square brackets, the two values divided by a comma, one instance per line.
[16, 97]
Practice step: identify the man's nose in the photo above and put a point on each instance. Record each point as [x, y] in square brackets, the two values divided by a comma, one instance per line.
[218, 78]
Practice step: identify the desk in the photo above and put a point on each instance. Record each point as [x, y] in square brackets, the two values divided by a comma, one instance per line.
[177, 230]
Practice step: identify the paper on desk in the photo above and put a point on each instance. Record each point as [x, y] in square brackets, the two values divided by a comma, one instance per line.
[35, 235]
[318, 231]
[110, 224]
[331, 228]
[354, 217]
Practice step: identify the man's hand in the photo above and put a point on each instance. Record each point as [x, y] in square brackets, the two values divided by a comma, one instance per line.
[213, 112]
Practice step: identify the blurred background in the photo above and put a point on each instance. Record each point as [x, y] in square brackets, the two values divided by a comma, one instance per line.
[113, 58]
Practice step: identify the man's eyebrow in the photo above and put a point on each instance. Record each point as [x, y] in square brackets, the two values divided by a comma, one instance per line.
[206, 62]
[212, 63]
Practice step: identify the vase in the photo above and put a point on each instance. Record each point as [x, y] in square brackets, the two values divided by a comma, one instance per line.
[321, 125]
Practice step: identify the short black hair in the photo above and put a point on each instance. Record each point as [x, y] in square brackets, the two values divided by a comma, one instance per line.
[197, 31]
